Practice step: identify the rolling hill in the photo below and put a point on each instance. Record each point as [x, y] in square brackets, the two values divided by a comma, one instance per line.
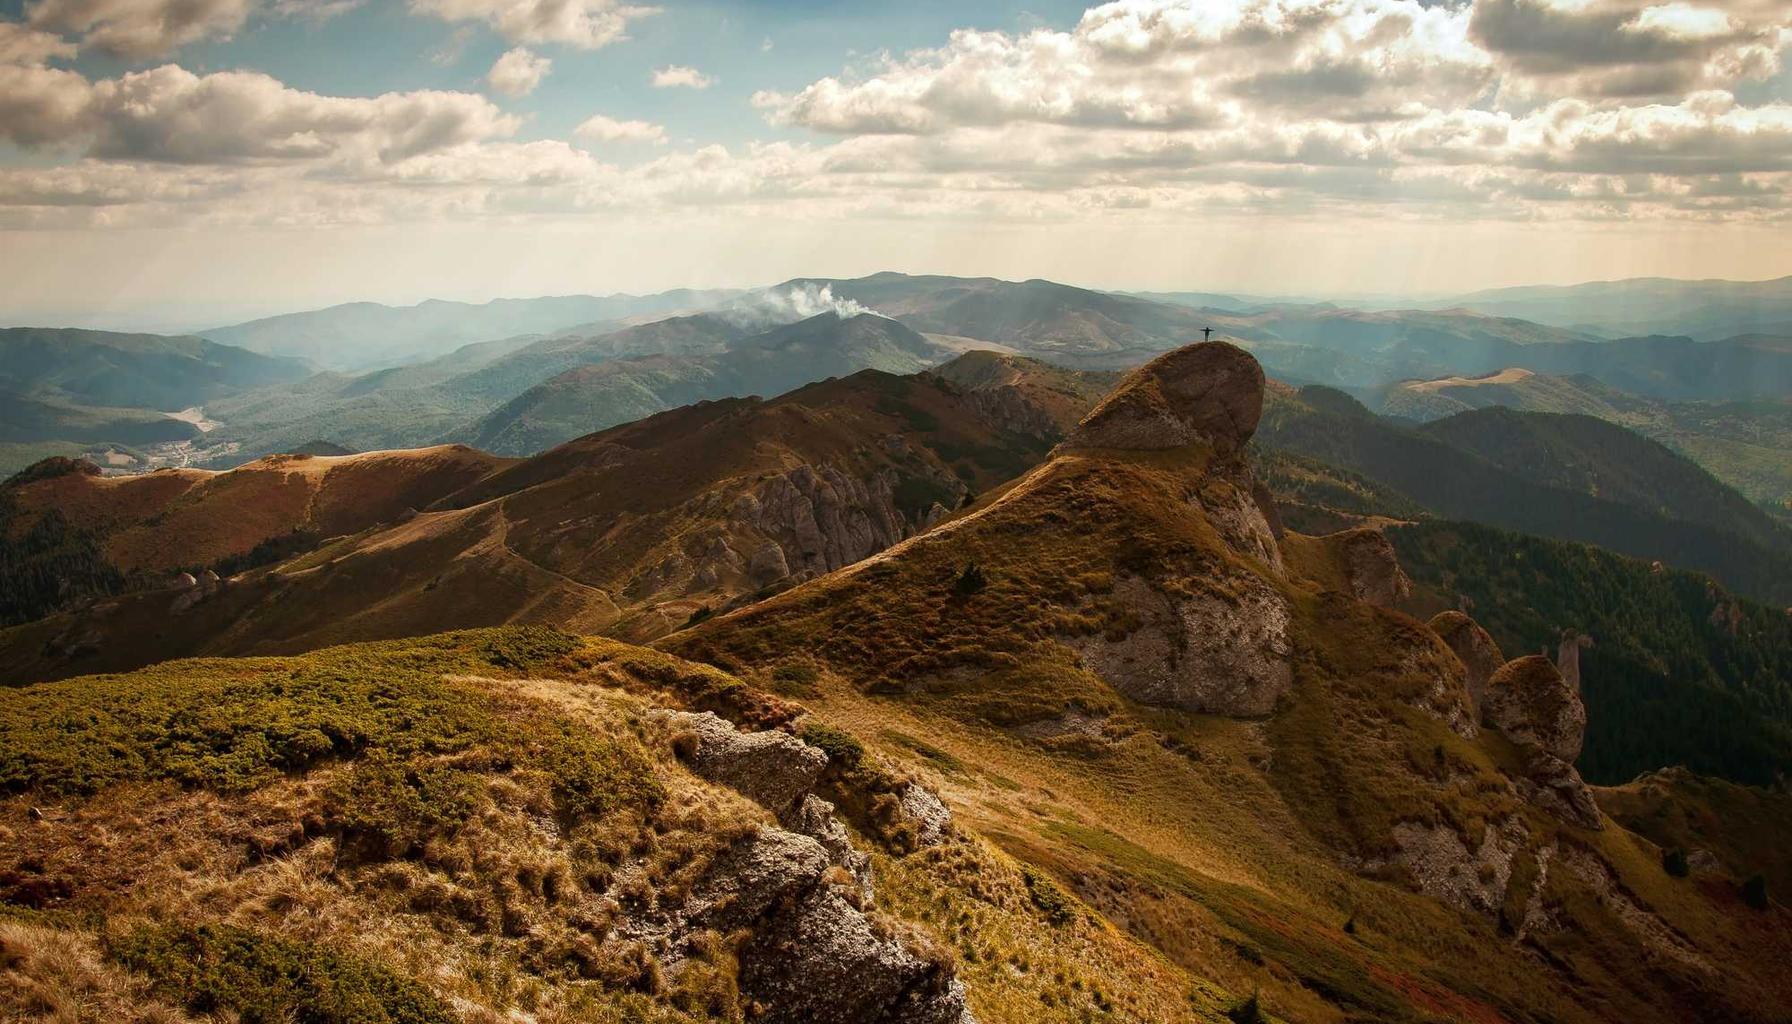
[367, 335]
[1707, 310]
[1582, 480]
[630, 531]
[1744, 444]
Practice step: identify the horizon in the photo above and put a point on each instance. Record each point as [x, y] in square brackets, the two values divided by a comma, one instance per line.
[150, 322]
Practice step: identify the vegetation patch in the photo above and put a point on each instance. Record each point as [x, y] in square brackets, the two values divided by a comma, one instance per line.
[263, 979]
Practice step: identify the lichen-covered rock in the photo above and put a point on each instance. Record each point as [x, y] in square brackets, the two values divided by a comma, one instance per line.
[1568, 657]
[1556, 786]
[1530, 702]
[1223, 655]
[1446, 869]
[1230, 504]
[1473, 646]
[931, 819]
[1210, 393]
[816, 819]
[1372, 568]
[826, 962]
[774, 769]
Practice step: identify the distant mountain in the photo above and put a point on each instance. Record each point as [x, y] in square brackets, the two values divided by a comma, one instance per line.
[1742, 443]
[1708, 310]
[138, 371]
[366, 335]
[1070, 326]
[630, 531]
[1576, 479]
[721, 362]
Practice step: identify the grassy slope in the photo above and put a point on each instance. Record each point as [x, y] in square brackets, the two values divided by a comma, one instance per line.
[422, 831]
[1218, 841]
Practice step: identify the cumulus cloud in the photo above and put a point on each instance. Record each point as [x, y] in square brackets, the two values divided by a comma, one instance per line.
[586, 24]
[677, 76]
[770, 306]
[41, 106]
[20, 44]
[598, 128]
[139, 29]
[518, 72]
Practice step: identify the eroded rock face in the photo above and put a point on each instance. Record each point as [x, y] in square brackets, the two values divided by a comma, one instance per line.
[816, 519]
[1209, 393]
[1236, 514]
[1556, 786]
[1474, 646]
[1372, 567]
[1207, 653]
[1528, 700]
[1447, 870]
[774, 769]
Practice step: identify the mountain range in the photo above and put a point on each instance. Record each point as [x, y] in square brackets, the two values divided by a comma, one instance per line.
[993, 690]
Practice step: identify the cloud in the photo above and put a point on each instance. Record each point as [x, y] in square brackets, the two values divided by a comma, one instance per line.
[41, 106]
[585, 24]
[598, 128]
[677, 76]
[139, 29]
[22, 45]
[518, 72]
[314, 10]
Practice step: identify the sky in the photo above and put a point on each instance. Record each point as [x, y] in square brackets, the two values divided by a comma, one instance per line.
[189, 162]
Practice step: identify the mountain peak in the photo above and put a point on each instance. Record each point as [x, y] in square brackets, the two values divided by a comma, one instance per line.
[1211, 392]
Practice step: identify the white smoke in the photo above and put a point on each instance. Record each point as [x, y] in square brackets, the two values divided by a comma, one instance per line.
[772, 307]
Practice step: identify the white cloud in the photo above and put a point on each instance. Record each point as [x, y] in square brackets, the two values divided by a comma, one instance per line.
[677, 76]
[586, 24]
[139, 29]
[599, 128]
[518, 72]
[22, 45]
[314, 10]
[41, 106]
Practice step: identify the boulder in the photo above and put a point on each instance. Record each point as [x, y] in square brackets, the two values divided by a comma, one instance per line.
[1371, 567]
[1474, 646]
[1209, 393]
[774, 769]
[926, 812]
[1530, 702]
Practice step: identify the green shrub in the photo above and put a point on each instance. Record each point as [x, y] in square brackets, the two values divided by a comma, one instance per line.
[395, 805]
[843, 749]
[264, 979]
[1047, 897]
[1246, 1011]
[525, 648]
[1754, 892]
[970, 580]
[1674, 862]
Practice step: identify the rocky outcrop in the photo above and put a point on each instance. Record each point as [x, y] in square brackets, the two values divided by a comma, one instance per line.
[773, 769]
[1568, 656]
[1371, 567]
[1530, 702]
[812, 952]
[1229, 501]
[815, 520]
[1209, 393]
[1223, 655]
[1448, 870]
[1475, 647]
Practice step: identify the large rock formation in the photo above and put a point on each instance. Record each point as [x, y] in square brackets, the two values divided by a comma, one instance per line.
[813, 953]
[1530, 702]
[1211, 392]
[1475, 647]
[1372, 567]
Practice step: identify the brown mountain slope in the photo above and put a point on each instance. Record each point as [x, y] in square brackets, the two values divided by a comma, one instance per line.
[1121, 674]
[189, 518]
[630, 531]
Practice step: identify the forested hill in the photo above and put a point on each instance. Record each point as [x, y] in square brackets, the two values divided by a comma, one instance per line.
[1679, 672]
